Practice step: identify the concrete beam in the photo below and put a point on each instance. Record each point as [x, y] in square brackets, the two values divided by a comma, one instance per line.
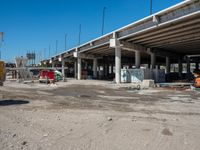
[132, 47]
[85, 56]
[178, 38]
[160, 31]
[170, 34]
[164, 53]
[187, 9]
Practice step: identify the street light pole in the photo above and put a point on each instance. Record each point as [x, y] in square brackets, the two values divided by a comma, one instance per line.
[103, 21]
[150, 7]
[79, 35]
[49, 50]
[65, 41]
[1, 40]
[56, 46]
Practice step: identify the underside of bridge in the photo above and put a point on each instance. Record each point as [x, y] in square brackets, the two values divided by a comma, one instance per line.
[168, 40]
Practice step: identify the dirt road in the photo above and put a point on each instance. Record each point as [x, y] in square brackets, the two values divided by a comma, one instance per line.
[97, 116]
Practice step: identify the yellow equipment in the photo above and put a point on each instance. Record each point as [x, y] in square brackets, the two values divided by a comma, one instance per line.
[2, 72]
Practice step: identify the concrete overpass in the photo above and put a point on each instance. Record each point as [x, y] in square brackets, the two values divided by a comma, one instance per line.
[169, 36]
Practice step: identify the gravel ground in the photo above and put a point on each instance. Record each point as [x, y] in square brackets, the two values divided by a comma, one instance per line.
[97, 115]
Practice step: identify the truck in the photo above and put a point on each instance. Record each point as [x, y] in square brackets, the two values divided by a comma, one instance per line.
[2, 72]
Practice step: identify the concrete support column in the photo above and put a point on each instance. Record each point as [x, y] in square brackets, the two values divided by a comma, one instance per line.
[137, 59]
[95, 68]
[149, 65]
[75, 69]
[197, 65]
[53, 64]
[188, 64]
[153, 60]
[118, 65]
[180, 67]
[63, 69]
[167, 65]
[107, 69]
[79, 68]
[111, 68]
[104, 69]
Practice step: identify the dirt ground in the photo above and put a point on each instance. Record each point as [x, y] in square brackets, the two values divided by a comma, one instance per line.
[97, 115]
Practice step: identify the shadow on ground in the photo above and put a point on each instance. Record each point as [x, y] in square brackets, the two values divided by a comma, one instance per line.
[13, 102]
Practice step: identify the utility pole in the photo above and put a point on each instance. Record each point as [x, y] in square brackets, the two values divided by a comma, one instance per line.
[65, 41]
[79, 35]
[151, 7]
[103, 21]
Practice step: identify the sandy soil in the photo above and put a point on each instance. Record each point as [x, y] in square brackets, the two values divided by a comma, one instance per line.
[88, 115]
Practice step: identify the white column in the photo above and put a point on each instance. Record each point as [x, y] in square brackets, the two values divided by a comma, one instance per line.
[79, 68]
[75, 69]
[137, 59]
[167, 65]
[153, 60]
[63, 69]
[117, 65]
[95, 68]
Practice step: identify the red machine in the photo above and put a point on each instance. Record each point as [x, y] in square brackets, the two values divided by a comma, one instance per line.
[47, 76]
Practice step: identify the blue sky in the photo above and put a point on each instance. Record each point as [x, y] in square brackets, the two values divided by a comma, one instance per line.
[33, 25]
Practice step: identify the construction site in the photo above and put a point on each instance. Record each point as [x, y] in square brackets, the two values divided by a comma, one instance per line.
[137, 87]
